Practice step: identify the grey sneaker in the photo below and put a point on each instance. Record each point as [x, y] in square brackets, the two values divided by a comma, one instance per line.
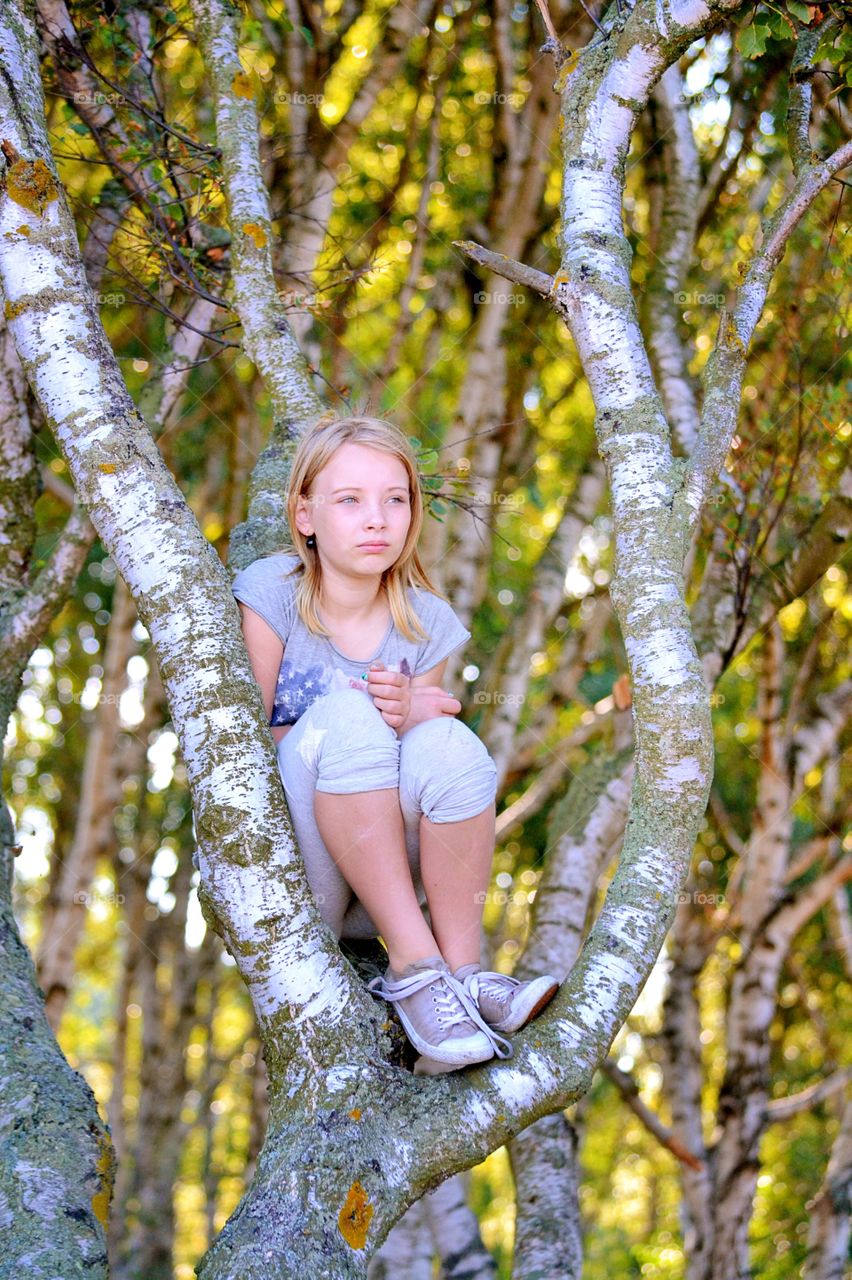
[505, 1003]
[440, 1019]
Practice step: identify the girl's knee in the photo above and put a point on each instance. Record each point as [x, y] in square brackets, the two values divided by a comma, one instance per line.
[350, 709]
[446, 737]
[348, 745]
[448, 769]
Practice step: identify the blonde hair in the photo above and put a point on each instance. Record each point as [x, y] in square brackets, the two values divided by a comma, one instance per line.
[315, 449]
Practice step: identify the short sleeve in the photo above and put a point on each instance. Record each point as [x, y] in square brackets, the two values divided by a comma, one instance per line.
[265, 588]
[446, 632]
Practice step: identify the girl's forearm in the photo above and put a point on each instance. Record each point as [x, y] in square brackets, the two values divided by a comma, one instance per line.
[278, 731]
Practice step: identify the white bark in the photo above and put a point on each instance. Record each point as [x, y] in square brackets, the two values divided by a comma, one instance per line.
[455, 1233]
[548, 1229]
[584, 832]
[268, 339]
[315, 161]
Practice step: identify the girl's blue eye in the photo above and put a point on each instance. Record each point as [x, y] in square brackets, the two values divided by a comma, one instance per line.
[351, 498]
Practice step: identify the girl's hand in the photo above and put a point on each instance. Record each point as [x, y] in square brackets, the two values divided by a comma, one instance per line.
[427, 703]
[391, 692]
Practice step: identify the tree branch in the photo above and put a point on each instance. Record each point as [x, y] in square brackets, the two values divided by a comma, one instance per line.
[652, 1122]
[785, 1108]
[507, 268]
[269, 341]
[726, 367]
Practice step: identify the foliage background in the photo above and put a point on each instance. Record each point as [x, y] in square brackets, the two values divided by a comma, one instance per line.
[791, 449]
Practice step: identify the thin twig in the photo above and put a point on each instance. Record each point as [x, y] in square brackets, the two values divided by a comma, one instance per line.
[589, 14]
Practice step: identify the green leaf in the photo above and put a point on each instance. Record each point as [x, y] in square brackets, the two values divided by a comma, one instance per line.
[752, 42]
[438, 506]
[799, 10]
[308, 34]
[779, 26]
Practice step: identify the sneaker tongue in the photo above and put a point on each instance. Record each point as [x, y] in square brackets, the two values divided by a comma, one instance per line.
[465, 969]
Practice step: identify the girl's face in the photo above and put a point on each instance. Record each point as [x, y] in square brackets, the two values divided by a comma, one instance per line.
[359, 498]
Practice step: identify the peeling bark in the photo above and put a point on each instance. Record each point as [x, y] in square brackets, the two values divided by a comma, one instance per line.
[56, 1162]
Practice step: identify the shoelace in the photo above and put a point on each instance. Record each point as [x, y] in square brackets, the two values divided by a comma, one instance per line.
[492, 984]
[403, 987]
[450, 1011]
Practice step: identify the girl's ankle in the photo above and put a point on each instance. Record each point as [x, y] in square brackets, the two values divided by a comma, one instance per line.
[400, 960]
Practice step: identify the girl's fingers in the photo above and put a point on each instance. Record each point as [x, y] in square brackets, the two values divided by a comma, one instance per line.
[395, 678]
[392, 705]
[383, 688]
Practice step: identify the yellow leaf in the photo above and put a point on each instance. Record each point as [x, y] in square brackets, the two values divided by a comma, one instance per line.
[241, 85]
[257, 234]
[108, 467]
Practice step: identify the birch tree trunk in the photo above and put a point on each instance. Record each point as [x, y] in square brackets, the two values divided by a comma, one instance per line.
[353, 1140]
[657, 499]
[56, 1163]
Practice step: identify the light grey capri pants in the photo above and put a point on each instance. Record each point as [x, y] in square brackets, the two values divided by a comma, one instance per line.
[341, 744]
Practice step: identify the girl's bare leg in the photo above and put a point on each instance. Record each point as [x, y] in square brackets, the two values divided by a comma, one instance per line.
[455, 863]
[365, 836]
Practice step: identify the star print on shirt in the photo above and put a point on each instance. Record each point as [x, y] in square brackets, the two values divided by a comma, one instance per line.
[309, 742]
[295, 690]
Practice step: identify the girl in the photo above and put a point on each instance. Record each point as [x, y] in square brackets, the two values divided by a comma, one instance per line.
[391, 797]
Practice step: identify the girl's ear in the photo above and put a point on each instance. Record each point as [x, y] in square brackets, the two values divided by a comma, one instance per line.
[302, 517]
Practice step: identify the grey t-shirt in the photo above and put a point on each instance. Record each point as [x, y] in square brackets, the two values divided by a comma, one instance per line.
[311, 665]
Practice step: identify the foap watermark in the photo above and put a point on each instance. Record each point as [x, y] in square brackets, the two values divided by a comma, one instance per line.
[513, 100]
[84, 98]
[91, 700]
[100, 299]
[697, 299]
[291, 298]
[300, 99]
[494, 697]
[486, 498]
[489, 296]
[701, 898]
[505, 897]
[95, 897]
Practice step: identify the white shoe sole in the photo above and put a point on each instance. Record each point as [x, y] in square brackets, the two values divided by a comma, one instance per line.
[464, 1051]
